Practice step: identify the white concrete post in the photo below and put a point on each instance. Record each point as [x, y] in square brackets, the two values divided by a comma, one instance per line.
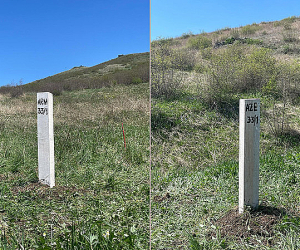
[249, 153]
[45, 138]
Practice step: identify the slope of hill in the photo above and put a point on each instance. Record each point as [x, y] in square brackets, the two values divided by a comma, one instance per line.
[126, 69]
[196, 84]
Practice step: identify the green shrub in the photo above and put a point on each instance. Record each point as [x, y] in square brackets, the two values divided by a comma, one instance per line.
[290, 49]
[162, 41]
[136, 80]
[16, 91]
[187, 35]
[250, 29]
[164, 82]
[200, 68]
[290, 19]
[286, 49]
[238, 69]
[287, 26]
[290, 36]
[167, 66]
[288, 81]
[182, 59]
[229, 40]
[199, 42]
[252, 41]
[271, 88]
[285, 22]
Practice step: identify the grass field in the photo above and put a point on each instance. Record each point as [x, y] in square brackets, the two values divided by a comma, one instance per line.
[196, 84]
[195, 180]
[101, 197]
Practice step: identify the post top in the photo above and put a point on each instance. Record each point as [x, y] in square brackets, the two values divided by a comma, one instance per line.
[44, 93]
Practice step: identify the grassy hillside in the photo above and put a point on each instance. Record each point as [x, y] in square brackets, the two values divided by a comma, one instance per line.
[196, 84]
[126, 69]
[101, 197]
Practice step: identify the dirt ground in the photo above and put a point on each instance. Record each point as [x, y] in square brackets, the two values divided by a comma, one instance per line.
[251, 225]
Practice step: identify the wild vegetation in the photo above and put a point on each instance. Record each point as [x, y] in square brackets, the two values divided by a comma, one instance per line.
[126, 69]
[196, 84]
[101, 196]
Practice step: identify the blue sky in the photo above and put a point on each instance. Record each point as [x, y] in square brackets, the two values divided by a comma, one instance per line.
[172, 18]
[39, 38]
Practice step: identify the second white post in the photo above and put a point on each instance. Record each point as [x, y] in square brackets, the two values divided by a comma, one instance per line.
[249, 153]
[45, 138]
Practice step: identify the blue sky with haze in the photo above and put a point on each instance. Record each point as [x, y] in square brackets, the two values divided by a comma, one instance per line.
[39, 38]
[172, 18]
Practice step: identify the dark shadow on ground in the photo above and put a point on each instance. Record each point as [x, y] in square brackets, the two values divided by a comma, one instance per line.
[160, 120]
[289, 136]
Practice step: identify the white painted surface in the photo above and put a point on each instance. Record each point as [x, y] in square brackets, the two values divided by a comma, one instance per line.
[249, 153]
[45, 138]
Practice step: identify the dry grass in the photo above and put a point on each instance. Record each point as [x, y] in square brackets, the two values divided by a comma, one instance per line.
[271, 33]
[103, 106]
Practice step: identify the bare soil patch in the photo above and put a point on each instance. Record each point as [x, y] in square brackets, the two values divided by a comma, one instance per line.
[259, 223]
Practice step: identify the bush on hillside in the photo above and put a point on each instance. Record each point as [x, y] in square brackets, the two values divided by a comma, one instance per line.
[162, 81]
[183, 59]
[13, 89]
[250, 29]
[199, 42]
[282, 90]
[290, 36]
[238, 69]
[286, 21]
[167, 69]
[16, 91]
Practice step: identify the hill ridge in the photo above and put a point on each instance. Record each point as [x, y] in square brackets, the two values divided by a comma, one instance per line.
[126, 69]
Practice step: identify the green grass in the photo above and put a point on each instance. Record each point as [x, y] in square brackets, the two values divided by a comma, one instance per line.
[195, 175]
[195, 141]
[100, 186]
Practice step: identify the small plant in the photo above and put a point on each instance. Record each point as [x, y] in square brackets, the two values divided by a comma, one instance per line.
[286, 49]
[136, 80]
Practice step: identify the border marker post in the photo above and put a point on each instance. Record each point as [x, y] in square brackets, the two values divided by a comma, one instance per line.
[249, 132]
[45, 138]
